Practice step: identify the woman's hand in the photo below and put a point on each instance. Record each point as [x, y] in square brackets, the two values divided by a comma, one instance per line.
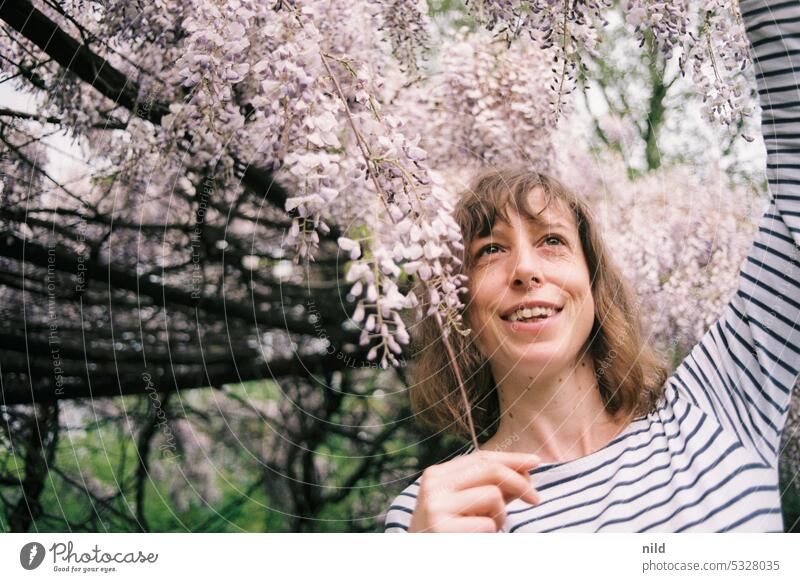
[470, 492]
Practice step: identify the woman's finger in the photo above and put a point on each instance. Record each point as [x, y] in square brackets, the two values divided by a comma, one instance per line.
[481, 472]
[460, 524]
[520, 462]
[486, 501]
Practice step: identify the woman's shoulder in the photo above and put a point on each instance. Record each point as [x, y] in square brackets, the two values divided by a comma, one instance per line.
[398, 516]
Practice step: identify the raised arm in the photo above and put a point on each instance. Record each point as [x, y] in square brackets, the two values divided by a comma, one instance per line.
[744, 369]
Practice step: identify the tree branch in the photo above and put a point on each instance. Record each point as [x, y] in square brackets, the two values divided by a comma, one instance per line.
[161, 295]
[93, 69]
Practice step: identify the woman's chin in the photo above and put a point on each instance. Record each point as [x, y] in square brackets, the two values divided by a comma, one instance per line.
[535, 360]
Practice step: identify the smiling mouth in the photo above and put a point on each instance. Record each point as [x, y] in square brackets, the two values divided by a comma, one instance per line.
[532, 314]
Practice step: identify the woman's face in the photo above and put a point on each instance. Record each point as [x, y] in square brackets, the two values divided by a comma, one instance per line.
[537, 265]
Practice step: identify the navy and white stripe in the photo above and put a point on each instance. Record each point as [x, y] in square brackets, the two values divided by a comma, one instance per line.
[707, 459]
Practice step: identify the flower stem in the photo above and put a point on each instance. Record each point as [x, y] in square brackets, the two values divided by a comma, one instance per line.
[454, 364]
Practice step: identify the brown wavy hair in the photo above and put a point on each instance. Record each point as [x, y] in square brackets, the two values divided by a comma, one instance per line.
[630, 373]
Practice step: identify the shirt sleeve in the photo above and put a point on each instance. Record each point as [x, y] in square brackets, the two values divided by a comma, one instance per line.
[398, 516]
[745, 367]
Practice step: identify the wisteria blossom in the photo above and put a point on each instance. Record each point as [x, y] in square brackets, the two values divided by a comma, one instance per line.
[706, 36]
[680, 251]
[709, 40]
[476, 111]
[407, 28]
[370, 145]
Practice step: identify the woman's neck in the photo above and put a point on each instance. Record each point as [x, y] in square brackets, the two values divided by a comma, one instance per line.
[559, 416]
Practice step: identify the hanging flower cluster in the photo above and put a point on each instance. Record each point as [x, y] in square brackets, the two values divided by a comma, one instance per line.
[318, 112]
[412, 232]
[718, 59]
[707, 37]
[478, 110]
[216, 59]
[711, 45]
[405, 25]
[568, 29]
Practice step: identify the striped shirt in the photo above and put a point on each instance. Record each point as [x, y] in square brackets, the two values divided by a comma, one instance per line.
[707, 458]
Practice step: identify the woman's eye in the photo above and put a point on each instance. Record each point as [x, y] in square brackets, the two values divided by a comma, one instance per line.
[558, 239]
[487, 249]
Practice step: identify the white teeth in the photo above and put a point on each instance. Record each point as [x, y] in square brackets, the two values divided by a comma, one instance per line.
[527, 313]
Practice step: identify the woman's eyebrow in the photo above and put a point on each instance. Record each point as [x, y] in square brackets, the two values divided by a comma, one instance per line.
[538, 223]
[502, 225]
[547, 224]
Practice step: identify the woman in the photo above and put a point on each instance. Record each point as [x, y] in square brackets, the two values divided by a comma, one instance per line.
[580, 430]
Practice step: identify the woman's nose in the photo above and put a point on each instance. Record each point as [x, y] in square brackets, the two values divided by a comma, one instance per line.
[527, 270]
